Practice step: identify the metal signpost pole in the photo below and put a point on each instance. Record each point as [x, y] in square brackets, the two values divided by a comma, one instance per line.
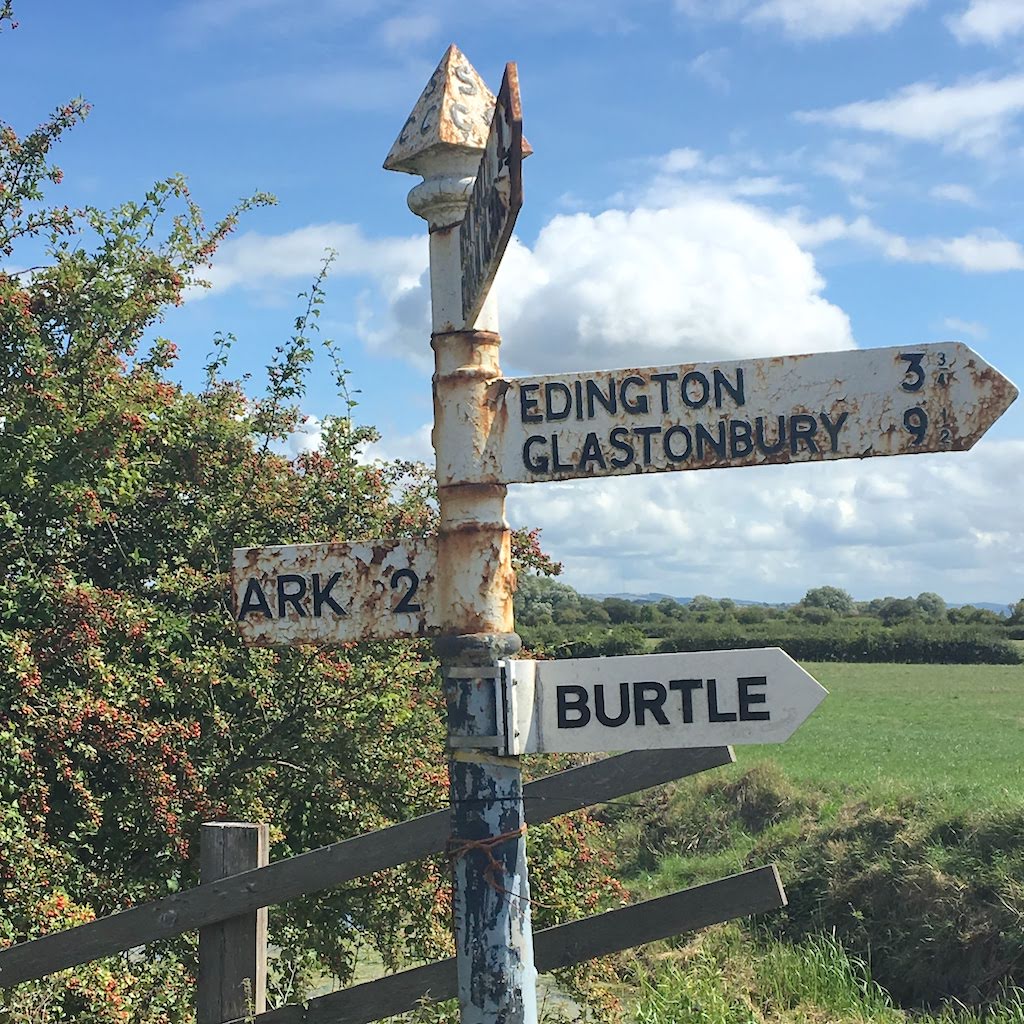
[442, 141]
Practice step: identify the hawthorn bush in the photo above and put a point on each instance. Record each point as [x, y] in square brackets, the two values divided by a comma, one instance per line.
[129, 710]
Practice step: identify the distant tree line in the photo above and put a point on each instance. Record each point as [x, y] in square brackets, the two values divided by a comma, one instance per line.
[825, 625]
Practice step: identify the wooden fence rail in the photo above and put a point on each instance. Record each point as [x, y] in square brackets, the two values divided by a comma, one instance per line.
[751, 892]
[330, 866]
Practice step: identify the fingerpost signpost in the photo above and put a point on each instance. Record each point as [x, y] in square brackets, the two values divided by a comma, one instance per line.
[457, 586]
[470, 204]
[674, 713]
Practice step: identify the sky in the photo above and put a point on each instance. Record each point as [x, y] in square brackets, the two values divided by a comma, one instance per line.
[710, 180]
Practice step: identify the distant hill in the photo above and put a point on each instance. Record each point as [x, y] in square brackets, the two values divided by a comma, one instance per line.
[997, 607]
[1000, 608]
[655, 598]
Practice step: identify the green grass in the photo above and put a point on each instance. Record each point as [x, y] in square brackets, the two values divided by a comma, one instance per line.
[894, 813]
[726, 977]
[949, 732]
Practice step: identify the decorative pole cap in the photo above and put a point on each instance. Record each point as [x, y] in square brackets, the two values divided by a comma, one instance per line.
[452, 115]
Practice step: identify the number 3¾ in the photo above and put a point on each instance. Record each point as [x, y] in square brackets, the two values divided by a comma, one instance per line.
[915, 373]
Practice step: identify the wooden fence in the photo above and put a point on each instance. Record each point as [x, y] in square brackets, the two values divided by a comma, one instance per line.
[237, 884]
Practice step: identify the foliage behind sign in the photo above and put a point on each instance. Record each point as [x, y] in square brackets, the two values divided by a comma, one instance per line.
[130, 710]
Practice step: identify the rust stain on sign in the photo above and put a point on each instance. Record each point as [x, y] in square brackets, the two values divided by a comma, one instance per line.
[749, 412]
[335, 593]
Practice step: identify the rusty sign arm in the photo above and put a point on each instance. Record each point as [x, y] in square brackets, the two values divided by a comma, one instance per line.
[747, 412]
[496, 199]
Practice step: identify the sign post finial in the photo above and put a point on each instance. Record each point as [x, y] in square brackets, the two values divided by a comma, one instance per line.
[453, 114]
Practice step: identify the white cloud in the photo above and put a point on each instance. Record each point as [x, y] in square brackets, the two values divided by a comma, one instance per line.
[981, 252]
[850, 162]
[312, 18]
[807, 19]
[824, 19]
[974, 116]
[706, 278]
[677, 161]
[415, 447]
[200, 17]
[946, 523]
[701, 278]
[253, 260]
[988, 21]
[954, 193]
[707, 66]
[408, 30]
[381, 87]
[681, 174]
[965, 327]
[306, 437]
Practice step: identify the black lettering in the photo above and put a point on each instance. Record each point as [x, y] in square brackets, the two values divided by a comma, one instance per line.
[722, 384]
[671, 455]
[616, 438]
[322, 596]
[685, 687]
[406, 605]
[497, 214]
[535, 463]
[551, 389]
[578, 388]
[649, 697]
[770, 449]
[802, 428]
[294, 598]
[741, 442]
[705, 437]
[594, 392]
[572, 699]
[747, 698]
[714, 715]
[640, 405]
[254, 600]
[703, 389]
[556, 466]
[599, 706]
[834, 428]
[914, 371]
[647, 433]
[527, 404]
[663, 379]
[591, 453]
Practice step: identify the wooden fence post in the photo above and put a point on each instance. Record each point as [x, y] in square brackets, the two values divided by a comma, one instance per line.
[232, 954]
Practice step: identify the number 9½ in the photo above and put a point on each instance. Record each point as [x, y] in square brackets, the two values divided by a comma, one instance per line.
[916, 421]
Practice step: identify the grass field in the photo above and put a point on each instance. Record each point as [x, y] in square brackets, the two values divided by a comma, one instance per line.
[895, 815]
[953, 732]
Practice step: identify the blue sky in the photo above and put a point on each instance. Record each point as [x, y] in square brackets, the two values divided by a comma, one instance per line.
[779, 175]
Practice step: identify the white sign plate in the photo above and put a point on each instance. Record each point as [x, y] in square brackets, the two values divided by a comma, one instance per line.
[496, 199]
[334, 593]
[747, 412]
[654, 701]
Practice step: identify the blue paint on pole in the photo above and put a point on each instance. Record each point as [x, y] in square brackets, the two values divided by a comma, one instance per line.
[491, 904]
